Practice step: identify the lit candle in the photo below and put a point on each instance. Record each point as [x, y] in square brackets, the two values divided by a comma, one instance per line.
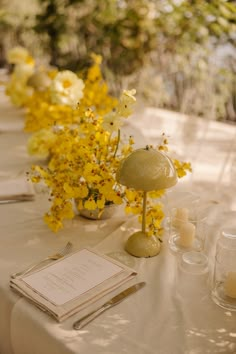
[181, 216]
[230, 284]
[186, 234]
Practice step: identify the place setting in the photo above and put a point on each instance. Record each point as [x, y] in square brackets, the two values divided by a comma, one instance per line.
[74, 281]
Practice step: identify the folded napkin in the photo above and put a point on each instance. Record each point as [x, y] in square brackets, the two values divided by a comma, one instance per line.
[72, 283]
[11, 117]
[16, 189]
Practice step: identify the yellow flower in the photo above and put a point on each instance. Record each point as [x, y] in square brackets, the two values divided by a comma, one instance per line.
[82, 192]
[90, 204]
[53, 223]
[131, 195]
[101, 202]
[182, 168]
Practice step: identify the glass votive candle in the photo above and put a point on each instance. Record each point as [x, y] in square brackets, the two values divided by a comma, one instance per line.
[224, 277]
[180, 199]
[187, 233]
[192, 275]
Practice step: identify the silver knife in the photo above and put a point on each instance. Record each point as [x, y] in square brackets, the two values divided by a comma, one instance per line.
[112, 302]
[10, 201]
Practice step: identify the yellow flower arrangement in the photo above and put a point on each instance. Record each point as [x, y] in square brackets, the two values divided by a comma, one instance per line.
[84, 163]
[83, 168]
[77, 124]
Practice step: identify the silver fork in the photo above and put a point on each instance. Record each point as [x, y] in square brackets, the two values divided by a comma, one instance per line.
[63, 252]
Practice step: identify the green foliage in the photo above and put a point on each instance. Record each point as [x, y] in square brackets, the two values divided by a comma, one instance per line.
[51, 24]
[127, 32]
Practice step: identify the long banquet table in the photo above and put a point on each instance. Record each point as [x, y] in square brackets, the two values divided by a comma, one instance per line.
[155, 320]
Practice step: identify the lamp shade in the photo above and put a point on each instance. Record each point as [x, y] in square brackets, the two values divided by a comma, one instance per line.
[147, 169]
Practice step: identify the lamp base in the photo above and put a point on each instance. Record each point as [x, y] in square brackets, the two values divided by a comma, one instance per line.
[141, 245]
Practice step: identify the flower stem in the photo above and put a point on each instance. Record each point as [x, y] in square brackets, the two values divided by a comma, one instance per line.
[117, 145]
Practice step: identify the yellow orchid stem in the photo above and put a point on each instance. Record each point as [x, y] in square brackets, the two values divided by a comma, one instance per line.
[144, 212]
[117, 145]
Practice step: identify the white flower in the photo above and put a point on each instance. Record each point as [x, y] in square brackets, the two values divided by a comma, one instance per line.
[17, 55]
[66, 89]
[23, 71]
[127, 100]
[128, 95]
[41, 142]
[111, 122]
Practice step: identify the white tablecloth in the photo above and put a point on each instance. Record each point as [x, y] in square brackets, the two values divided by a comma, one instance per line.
[156, 320]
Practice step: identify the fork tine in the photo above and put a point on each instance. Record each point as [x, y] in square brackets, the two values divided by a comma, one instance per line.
[66, 249]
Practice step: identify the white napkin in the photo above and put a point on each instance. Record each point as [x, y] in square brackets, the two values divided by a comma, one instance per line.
[72, 283]
[16, 189]
[11, 117]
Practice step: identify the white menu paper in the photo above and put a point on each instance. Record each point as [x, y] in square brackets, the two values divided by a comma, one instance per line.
[64, 281]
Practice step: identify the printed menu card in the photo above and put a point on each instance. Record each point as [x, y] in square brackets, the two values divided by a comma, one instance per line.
[68, 285]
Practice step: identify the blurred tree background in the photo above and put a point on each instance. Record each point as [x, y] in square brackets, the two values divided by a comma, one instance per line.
[179, 54]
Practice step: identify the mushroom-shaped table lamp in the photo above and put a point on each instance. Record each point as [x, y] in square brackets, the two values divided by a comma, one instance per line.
[146, 170]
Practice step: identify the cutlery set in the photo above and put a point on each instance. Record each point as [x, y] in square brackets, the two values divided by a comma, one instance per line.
[82, 322]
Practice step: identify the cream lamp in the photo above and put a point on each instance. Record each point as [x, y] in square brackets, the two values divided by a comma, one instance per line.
[146, 170]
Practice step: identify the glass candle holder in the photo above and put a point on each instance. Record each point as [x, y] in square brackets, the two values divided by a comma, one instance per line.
[192, 275]
[180, 204]
[224, 277]
[187, 231]
[182, 199]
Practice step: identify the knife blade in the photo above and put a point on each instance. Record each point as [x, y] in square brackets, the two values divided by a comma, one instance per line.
[20, 200]
[108, 304]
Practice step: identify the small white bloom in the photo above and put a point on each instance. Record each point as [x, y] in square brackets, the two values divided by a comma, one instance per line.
[17, 55]
[23, 71]
[66, 89]
[41, 142]
[129, 95]
[111, 122]
[127, 100]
